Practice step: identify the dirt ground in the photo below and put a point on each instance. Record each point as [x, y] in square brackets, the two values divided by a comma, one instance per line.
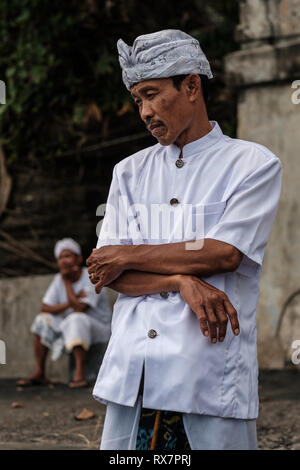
[46, 419]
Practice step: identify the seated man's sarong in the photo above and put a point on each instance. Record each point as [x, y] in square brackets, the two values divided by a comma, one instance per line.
[76, 329]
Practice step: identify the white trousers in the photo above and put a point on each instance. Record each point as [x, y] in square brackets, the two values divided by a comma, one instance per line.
[76, 329]
[204, 432]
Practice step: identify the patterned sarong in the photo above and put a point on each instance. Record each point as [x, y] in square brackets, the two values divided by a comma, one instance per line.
[171, 433]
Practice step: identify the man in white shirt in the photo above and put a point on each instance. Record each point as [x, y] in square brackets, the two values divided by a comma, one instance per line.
[73, 316]
[180, 285]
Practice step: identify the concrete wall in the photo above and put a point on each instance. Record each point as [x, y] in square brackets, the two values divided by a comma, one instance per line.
[20, 302]
[264, 70]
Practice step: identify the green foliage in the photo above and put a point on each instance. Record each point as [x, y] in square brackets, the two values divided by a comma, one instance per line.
[59, 58]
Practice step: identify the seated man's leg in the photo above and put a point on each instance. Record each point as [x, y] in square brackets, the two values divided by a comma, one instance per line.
[76, 330]
[79, 374]
[45, 334]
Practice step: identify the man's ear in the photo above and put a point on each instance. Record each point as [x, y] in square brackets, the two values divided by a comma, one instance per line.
[79, 260]
[193, 84]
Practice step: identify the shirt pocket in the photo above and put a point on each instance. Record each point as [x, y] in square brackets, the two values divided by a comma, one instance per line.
[208, 215]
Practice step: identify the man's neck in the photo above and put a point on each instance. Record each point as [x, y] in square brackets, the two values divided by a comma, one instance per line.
[199, 127]
[181, 142]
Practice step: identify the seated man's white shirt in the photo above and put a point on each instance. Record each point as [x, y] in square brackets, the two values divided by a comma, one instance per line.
[234, 187]
[69, 328]
[99, 307]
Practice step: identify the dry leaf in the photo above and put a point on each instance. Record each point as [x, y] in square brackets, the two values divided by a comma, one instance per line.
[17, 404]
[45, 413]
[85, 414]
[20, 389]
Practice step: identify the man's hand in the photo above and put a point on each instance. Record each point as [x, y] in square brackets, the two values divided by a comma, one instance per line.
[106, 264]
[211, 306]
[81, 294]
[76, 301]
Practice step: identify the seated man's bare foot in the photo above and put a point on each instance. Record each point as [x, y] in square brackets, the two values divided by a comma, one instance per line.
[82, 383]
[33, 380]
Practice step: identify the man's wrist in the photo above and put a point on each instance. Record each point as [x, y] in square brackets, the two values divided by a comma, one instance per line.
[180, 279]
[129, 261]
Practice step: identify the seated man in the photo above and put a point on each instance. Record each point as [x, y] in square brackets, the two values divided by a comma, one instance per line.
[73, 316]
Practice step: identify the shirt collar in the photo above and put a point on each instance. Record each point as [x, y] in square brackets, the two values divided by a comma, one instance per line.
[193, 148]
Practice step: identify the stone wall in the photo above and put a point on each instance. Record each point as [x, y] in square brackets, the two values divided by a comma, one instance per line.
[263, 71]
[20, 302]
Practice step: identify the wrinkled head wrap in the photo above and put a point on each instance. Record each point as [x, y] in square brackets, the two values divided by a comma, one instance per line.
[161, 55]
[66, 244]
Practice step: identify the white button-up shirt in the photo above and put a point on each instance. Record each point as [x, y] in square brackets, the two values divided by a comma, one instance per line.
[234, 188]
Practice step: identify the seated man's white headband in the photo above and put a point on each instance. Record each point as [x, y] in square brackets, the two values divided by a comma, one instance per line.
[66, 244]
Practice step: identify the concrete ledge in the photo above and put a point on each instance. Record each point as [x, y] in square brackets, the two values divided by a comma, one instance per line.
[264, 64]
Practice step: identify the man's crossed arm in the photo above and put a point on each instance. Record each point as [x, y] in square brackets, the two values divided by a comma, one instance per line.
[146, 269]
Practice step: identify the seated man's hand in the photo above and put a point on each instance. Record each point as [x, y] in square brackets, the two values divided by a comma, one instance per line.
[106, 264]
[211, 306]
[81, 294]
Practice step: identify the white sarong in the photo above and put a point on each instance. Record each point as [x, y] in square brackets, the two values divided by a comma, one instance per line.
[60, 333]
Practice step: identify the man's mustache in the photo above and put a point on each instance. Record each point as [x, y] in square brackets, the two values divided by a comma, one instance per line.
[149, 124]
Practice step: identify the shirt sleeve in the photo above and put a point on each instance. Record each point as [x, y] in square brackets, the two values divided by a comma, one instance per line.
[249, 215]
[114, 228]
[91, 298]
[99, 303]
[51, 296]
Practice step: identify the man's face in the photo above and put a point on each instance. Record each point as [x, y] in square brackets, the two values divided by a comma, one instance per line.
[67, 260]
[166, 111]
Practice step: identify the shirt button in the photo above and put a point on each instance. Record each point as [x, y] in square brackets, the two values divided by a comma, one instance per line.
[152, 333]
[174, 201]
[164, 295]
[179, 163]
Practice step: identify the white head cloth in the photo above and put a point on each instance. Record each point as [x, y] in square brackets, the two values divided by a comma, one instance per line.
[161, 55]
[66, 244]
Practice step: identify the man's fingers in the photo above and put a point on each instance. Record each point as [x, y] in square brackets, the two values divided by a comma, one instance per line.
[201, 315]
[99, 286]
[91, 259]
[232, 313]
[212, 322]
[222, 321]
[91, 269]
[94, 280]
